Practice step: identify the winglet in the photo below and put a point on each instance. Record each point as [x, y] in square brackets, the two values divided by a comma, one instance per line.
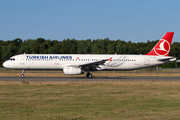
[162, 48]
[110, 59]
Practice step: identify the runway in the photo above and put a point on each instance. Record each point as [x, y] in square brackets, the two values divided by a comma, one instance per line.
[88, 79]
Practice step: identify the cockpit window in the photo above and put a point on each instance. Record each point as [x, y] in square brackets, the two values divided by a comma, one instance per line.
[12, 59]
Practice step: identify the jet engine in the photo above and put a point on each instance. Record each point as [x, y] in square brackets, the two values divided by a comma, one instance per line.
[72, 71]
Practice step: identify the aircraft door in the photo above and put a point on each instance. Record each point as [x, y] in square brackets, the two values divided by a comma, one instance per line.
[22, 59]
[146, 61]
[56, 61]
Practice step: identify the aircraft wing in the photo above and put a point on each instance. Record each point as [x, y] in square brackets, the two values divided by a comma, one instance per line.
[95, 63]
[91, 65]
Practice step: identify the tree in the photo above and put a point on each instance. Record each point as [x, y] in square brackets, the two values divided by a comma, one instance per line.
[52, 50]
[81, 47]
[8, 51]
[110, 48]
[40, 40]
[17, 41]
[43, 48]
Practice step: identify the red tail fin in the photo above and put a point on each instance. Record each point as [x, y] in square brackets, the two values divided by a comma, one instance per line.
[162, 48]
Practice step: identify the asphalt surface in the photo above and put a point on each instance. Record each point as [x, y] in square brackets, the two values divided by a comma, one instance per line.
[90, 79]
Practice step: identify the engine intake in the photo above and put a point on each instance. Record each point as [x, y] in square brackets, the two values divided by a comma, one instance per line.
[72, 71]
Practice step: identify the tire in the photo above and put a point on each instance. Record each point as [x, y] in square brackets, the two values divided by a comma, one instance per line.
[90, 76]
[22, 76]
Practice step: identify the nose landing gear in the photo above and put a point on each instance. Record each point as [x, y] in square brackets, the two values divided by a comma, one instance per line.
[22, 76]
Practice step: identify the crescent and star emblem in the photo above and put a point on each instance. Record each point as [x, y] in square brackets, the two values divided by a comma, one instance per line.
[163, 48]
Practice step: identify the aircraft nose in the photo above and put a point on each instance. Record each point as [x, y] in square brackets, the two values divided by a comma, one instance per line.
[5, 64]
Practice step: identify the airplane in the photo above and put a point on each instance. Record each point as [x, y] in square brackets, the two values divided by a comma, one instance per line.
[75, 64]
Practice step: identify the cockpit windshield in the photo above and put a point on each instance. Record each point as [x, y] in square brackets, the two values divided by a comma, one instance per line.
[11, 59]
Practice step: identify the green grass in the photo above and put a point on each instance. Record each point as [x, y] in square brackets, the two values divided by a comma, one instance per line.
[90, 100]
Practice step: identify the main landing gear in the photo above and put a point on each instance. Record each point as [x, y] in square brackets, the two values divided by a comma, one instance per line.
[89, 75]
[22, 76]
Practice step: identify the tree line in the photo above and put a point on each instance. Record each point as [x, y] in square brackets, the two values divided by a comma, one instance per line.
[73, 46]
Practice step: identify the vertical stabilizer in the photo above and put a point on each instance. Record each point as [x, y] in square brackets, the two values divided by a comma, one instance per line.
[162, 48]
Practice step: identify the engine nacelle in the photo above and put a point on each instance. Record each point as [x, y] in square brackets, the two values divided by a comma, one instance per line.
[72, 71]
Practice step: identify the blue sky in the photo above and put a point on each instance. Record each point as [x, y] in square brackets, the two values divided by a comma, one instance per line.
[129, 20]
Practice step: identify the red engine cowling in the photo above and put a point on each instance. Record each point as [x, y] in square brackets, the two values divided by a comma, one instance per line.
[72, 71]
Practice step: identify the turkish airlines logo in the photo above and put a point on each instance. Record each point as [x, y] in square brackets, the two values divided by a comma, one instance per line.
[162, 48]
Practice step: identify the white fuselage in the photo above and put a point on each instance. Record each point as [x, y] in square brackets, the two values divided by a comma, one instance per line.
[59, 61]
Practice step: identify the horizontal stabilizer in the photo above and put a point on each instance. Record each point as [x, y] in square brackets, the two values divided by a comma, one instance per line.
[170, 59]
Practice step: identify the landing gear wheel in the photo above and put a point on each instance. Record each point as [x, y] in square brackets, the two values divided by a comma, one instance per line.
[22, 76]
[89, 75]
